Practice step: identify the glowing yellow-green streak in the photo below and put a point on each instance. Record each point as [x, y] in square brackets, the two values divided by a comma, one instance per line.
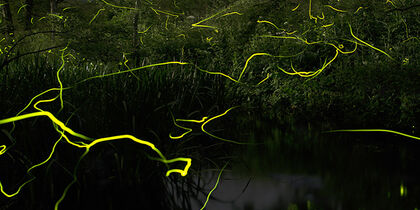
[43, 101]
[310, 12]
[49, 157]
[215, 186]
[121, 7]
[266, 21]
[188, 130]
[268, 75]
[142, 32]
[125, 64]
[49, 115]
[321, 18]
[231, 13]
[278, 37]
[335, 9]
[183, 172]
[198, 24]
[3, 149]
[18, 190]
[133, 69]
[328, 25]
[67, 8]
[215, 117]
[358, 10]
[72, 182]
[166, 22]
[294, 9]
[166, 13]
[94, 17]
[206, 19]
[87, 146]
[185, 128]
[58, 79]
[55, 15]
[343, 52]
[21, 8]
[418, 39]
[351, 32]
[374, 130]
[217, 73]
[391, 2]
[311, 73]
[152, 146]
[41, 18]
[30, 102]
[193, 121]
[246, 63]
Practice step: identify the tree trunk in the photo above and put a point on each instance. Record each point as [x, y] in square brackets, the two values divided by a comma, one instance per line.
[7, 16]
[136, 37]
[53, 6]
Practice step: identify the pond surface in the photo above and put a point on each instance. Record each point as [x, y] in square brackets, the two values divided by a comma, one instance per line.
[302, 169]
[294, 167]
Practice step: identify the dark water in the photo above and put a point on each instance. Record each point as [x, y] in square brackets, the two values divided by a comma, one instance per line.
[303, 169]
[288, 167]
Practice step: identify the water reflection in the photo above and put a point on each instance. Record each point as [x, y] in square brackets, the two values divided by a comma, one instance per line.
[298, 170]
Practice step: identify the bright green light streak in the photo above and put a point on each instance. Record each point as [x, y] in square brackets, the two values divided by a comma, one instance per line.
[215, 186]
[214, 136]
[55, 15]
[403, 190]
[41, 18]
[165, 12]
[294, 9]
[328, 25]
[310, 13]
[92, 143]
[30, 102]
[230, 13]
[246, 64]
[198, 24]
[311, 73]
[415, 38]
[341, 46]
[3, 149]
[49, 115]
[67, 8]
[268, 75]
[130, 70]
[374, 130]
[247, 61]
[321, 18]
[18, 190]
[358, 10]
[23, 6]
[142, 32]
[391, 2]
[58, 78]
[188, 130]
[96, 15]
[335, 9]
[266, 21]
[351, 32]
[166, 22]
[72, 182]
